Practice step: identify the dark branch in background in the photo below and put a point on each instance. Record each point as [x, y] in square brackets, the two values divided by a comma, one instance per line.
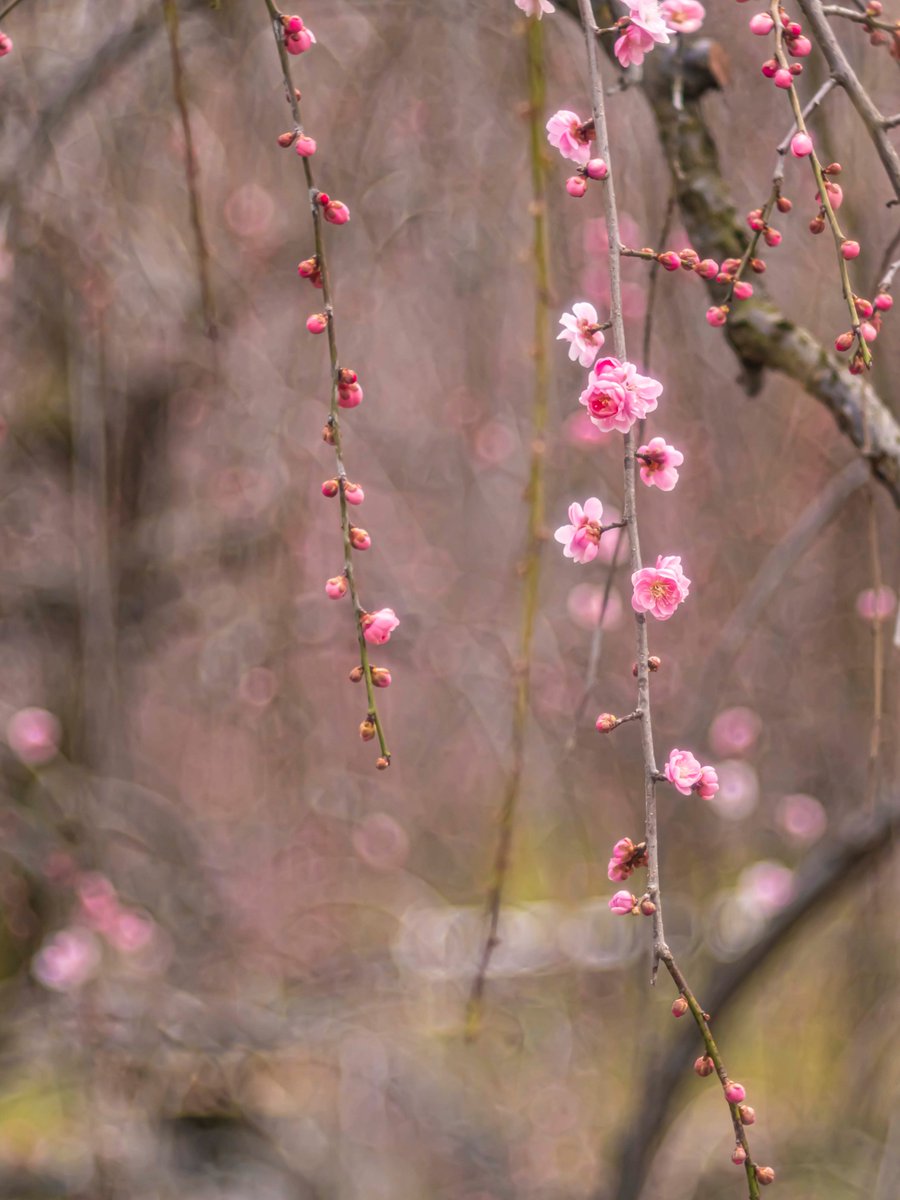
[6, 11]
[820, 881]
[761, 336]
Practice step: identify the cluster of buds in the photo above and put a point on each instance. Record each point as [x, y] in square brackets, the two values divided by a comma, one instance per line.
[380, 676]
[6, 44]
[310, 269]
[870, 316]
[881, 33]
[349, 392]
[729, 272]
[626, 857]
[353, 493]
[795, 43]
[334, 211]
[623, 904]
[595, 169]
[296, 37]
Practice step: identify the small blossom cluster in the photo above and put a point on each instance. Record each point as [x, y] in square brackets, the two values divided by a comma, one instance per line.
[798, 46]
[296, 36]
[735, 1095]
[572, 137]
[626, 858]
[870, 314]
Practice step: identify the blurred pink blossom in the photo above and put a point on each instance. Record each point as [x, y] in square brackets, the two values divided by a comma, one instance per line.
[585, 604]
[34, 735]
[535, 8]
[734, 731]
[767, 886]
[876, 606]
[802, 818]
[682, 16]
[67, 960]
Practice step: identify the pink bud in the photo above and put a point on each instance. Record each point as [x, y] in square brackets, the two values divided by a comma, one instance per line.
[843, 342]
[743, 290]
[576, 186]
[761, 24]
[605, 722]
[669, 259]
[597, 169]
[708, 268]
[734, 1092]
[783, 78]
[864, 307]
[772, 236]
[298, 43]
[648, 908]
[381, 677]
[336, 212]
[349, 395]
[704, 1066]
[801, 145]
[884, 301]
[793, 29]
[717, 315]
[868, 331]
[6, 45]
[622, 903]
[769, 67]
[623, 850]
[354, 493]
[317, 323]
[747, 1114]
[765, 1175]
[755, 221]
[330, 488]
[800, 47]
[849, 249]
[34, 735]
[739, 1155]
[359, 539]
[308, 268]
[336, 587]
[305, 145]
[292, 24]
[680, 1007]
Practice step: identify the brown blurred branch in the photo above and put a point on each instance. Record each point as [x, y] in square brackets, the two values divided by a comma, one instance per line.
[819, 882]
[6, 11]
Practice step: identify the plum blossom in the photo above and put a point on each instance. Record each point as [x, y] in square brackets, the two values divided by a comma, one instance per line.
[660, 589]
[566, 131]
[34, 735]
[683, 771]
[67, 960]
[708, 784]
[646, 27]
[581, 330]
[659, 464]
[682, 16]
[622, 903]
[535, 8]
[378, 626]
[616, 395]
[581, 538]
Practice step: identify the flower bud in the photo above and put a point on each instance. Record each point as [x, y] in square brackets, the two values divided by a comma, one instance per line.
[680, 1007]
[654, 662]
[817, 224]
[739, 1155]
[323, 198]
[597, 169]
[747, 1114]
[606, 722]
[783, 204]
[353, 493]
[330, 488]
[367, 729]
[801, 145]
[707, 269]
[734, 1092]
[309, 268]
[761, 24]
[843, 342]
[349, 395]
[832, 169]
[704, 1066]
[622, 903]
[382, 763]
[772, 236]
[849, 249]
[800, 47]
[757, 264]
[336, 588]
[868, 331]
[328, 434]
[381, 677]
[717, 315]
[769, 67]
[864, 307]
[359, 539]
[576, 186]
[743, 290]
[346, 376]
[291, 24]
[287, 139]
[755, 221]
[765, 1175]
[783, 78]
[356, 675]
[884, 301]
[317, 323]
[669, 259]
[796, 68]
[336, 212]
[306, 146]
[648, 908]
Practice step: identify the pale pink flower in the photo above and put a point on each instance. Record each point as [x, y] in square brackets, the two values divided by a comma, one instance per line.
[622, 903]
[132, 932]
[876, 606]
[708, 784]
[616, 395]
[622, 850]
[802, 817]
[6, 45]
[67, 960]
[683, 771]
[33, 735]
[581, 331]
[535, 8]
[581, 538]
[564, 131]
[646, 28]
[682, 16]
[734, 731]
[661, 469]
[660, 589]
[378, 626]
[766, 886]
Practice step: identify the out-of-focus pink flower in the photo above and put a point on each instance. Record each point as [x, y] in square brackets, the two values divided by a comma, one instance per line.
[622, 903]
[766, 886]
[682, 16]
[585, 602]
[660, 589]
[535, 8]
[802, 818]
[581, 538]
[565, 132]
[876, 606]
[738, 789]
[708, 784]
[378, 626]
[616, 395]
[580, 329]
[683, 771]
[735, 731]
[580, 430]
[646, 28]
[6, 45]
[98, 899]
[34, 735]
[67, 960]
[132, 932]
[662, 468]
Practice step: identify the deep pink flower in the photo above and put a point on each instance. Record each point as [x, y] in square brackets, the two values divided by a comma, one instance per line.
[581, 538]
[708, 784]
[683, 771]
[682, 16]
[646, 28]
[660, 589]
[564, 131]
[378, 626]
[622, 903]
[6, 44]
[581, 331]
[662, 470]
[616, 395]
[535, 8]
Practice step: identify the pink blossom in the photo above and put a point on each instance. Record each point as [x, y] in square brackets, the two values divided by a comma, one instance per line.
[535, 8]
[802, 817]
[6, 44]
[646, 27]
[876, 606]
[683, 771]
[616, 395]
[708, 784]
[580, 329]
[734, 731]
[132, 932]
[67, 960]
[581, 538]
[766, 886]
[378, 626]
[622, 850]
[99, 902]
[660, 589]
[33, 735]
[617, 872]
[622, 903]
[682, 16]
[564, 131]
[662, 469]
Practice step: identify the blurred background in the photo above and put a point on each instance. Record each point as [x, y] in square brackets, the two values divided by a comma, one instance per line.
[235, 957]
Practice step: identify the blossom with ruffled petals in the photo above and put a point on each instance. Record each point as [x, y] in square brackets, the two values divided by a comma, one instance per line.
[682, 16]
[378, 626]
[683, 771]
[646, 28]
[565, 131]
[535, 8]
[616, 395]
[581, 330]
[658, 464]
[581, 538]
[660, 589]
